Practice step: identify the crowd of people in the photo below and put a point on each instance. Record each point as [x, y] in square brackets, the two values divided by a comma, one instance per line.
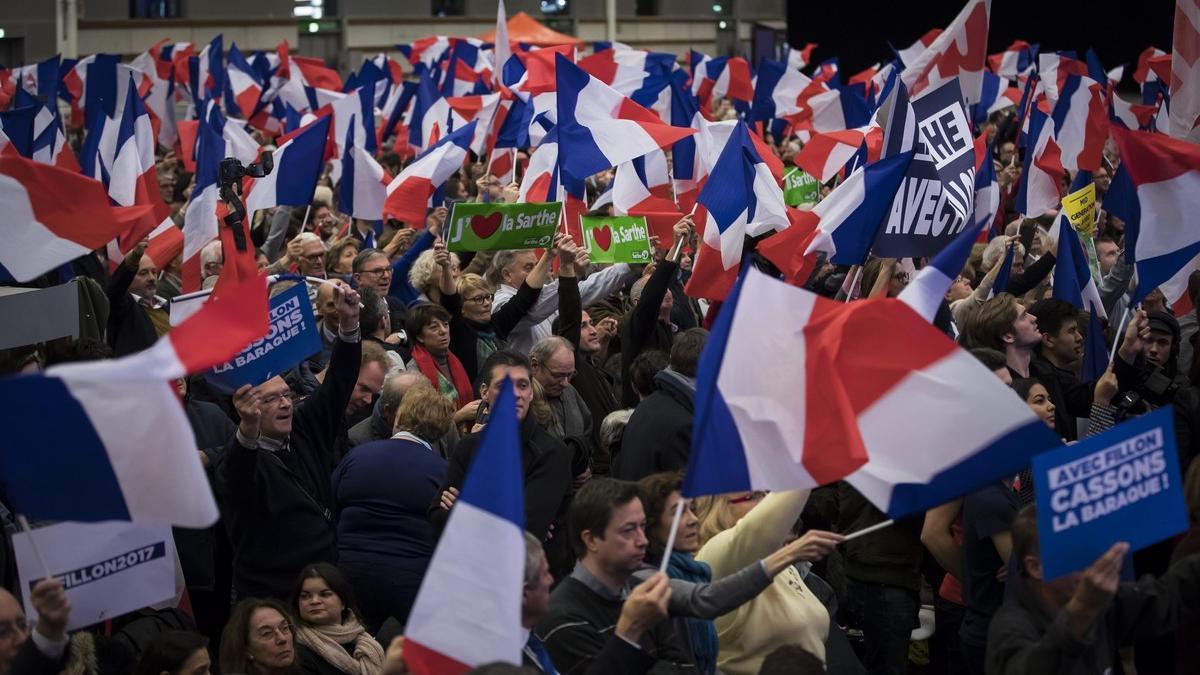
[336, 479]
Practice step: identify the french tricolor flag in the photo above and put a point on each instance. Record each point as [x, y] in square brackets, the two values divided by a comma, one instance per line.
[824, 155]
[1080, 123]
[111, 438]
[898, 419]
[244, 85]
[54, 215]
[200, 224]
[850, 215]
[298, 164]
[925, 293]
[598, 128]
[1156, 191]
[1017, 59]
[408, 194]
[467, 612]
[1041, 175]
[634, 193]
[987, 186]
[364, 183]
[1074, 283]
[540, 181]
[741, 198]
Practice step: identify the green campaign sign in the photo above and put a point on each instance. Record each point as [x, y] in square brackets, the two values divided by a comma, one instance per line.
[499, 227]
[799, 188]
[616, 239]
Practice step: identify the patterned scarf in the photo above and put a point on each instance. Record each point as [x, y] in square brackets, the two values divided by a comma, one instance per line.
[327, 642]
[701, 632]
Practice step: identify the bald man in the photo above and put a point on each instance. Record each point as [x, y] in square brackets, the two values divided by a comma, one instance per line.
[47, 650]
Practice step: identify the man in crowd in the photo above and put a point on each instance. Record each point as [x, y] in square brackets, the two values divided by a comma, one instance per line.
[1075, 624]
[379, 425]
[212, 260]
[659, 435]
[620, 655]
[137, 317]
[273, 481]
[553, 361]
[372, 268]
[608, 536]
[44, 649]
[546, 461]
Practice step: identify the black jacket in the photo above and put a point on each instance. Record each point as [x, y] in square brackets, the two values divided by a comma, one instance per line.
[659, 434]
[278, 505]
[594, 385]
[617, 657]
[642, 329]
[29, 660]
[197, 548]
[1024, 638]
[129, 328]
[547, 466]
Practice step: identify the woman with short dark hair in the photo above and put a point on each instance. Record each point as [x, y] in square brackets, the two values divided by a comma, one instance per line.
[327, 626]
[175, 652]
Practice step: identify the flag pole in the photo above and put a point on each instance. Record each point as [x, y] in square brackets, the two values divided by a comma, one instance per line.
[37, 552]
[868, 530]
[305, 221]
[1117, 336]
[671, 535]
[853, 282]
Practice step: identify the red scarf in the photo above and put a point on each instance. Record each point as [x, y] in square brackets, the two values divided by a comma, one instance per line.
[458, 375]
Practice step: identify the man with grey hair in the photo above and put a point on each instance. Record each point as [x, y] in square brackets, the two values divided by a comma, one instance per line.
[553, 361]
[211, 261]
[372, 269]
[379, 425]
[508, 271]
[377, 326]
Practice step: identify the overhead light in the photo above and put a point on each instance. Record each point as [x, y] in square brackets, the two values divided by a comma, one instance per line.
[722, 25]
[1, 33]
[318, 12]
[313, 26]
[302, 10]
[717, 9]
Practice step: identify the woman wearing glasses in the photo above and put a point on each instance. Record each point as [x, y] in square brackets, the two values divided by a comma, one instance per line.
[258, 639]
[475, 331]
[693, 607]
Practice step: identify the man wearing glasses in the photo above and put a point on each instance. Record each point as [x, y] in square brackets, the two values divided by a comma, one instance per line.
[372, 268]
[553, 360]
[273, 480]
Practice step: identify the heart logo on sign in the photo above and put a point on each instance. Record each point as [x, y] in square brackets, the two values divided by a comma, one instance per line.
[485, 226]
[603, 237]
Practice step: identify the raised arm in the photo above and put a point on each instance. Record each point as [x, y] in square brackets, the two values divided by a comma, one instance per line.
[325, 410]
[756, 535]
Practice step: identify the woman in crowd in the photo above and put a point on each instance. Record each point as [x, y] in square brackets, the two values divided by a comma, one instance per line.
[428, 327]
[176, 652]
[740, 529]
[695, 605]
[258, 640]
[382, 491]
[475, 332]
[339, 259]
[426, 277]
[1036, 397]
[327, 625]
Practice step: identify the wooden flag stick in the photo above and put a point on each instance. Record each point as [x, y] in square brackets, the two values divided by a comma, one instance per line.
[671, 535]
[868, 530]
[37, 552]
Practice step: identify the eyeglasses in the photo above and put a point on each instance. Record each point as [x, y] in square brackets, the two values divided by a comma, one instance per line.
[268, 632]
[381, 271]
[316, 257]
[278, 398]
[480, 299]
[752, 497]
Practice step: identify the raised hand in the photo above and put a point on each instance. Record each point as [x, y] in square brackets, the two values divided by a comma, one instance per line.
[644, 608]
[53, 609]
[246, 401]
[346, 302]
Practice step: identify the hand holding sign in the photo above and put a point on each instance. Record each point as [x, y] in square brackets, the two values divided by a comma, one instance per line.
[49, 599]
[1095, 590]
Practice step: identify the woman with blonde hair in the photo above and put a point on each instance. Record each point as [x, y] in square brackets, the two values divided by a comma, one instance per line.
[739, 529]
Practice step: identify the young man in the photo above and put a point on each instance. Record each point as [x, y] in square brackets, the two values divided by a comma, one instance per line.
[608, 534]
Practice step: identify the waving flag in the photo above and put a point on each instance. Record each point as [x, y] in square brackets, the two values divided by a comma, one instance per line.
[959, 51]
[160, 97]
[850, 215]
[53, 215]
[1185, 72]
[298, 164]
[539, 183]
[833, 110]
[633, 195]
[119, 426]
[1042, 171]
[755, 429]
[200, 224]
[1156, 191]
[364, 183]
[1081, 123]
[599, 128]
[355, 110]
[797, 59]
[1016, 60]
[245, 87]
[1000, 284]
[741, 198]
[777, 91]
[467, 612]
[408, 194]
[1073, 283]
[987, 187]
[925, 293]
[909, 54]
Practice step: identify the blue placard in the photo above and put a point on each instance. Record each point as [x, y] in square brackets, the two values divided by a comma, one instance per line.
[936, 199]
[291, 338]
[1122, 485]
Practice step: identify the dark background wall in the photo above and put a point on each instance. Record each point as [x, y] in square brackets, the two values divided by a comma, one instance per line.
[858, 31]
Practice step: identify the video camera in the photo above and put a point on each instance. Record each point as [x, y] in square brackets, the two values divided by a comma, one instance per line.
[1155, 390]
[230, 174]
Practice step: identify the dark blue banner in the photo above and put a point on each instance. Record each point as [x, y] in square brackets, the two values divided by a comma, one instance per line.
[291, 338]
[936, 200]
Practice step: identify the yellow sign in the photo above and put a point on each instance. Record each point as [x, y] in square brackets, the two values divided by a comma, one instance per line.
[1080, 207]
